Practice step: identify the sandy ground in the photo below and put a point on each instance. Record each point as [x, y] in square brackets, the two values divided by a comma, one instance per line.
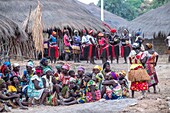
[153, 103]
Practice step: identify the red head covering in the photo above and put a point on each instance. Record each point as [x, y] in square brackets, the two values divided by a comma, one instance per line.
[54, 33]
[3, 68]
[84, 31]
[91, 31]
[113, 30]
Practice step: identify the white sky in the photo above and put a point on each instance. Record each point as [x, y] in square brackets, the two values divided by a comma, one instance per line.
[89, 1]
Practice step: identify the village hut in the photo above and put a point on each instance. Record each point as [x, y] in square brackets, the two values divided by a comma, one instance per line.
[111, 19]
[56, 13]
[154, 25]
[13, 40]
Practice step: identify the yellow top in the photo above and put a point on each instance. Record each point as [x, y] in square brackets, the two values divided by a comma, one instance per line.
[12, 89]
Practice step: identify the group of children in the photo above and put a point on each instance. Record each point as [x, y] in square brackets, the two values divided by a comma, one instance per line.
[41, 85]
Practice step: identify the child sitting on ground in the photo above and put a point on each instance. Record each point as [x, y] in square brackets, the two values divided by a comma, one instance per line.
[98, 76]
[111, 88]
[124, 83]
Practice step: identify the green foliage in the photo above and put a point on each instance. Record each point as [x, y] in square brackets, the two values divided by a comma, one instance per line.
[130, 9]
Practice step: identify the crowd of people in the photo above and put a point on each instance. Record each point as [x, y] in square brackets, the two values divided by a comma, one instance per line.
[89, 45]
[43, 85]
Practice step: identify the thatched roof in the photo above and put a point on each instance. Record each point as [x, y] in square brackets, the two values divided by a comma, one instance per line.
[154, 21]
[9, 29]
[58, 13]
[111, 19]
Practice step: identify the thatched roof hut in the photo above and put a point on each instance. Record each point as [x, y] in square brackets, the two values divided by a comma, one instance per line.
[9, 29]
[58, 13]
[111, 19]
[13, 40]
[153, 23]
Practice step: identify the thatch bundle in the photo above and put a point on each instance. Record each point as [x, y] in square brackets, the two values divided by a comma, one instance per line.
[154, 23]
[58, 13]
[37, 29]
[111, 19]
[13, 40]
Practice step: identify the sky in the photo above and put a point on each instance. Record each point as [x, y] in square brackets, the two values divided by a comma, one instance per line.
[89, 1]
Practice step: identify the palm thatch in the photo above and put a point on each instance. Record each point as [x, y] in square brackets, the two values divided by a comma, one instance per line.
[9, 29]
[13, 40]
[111, 19]
[153, 23]
[58, 13]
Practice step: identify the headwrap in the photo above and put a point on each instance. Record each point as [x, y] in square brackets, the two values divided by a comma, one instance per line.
[100, 34]
[58, 66]
[72, 80]
[3, 68]
[46, 70]
[84, 31]
[1, 81]
[15, 65]
[43, 60]
[30, 64]
[54, 33]
[113, 30]
[149, 45]
[7, 63]
[135, 45]
[138, 33]
[114, 75]
[88, 74]
[39, 69]
[97, 67]
[105, 64]
[122, 73]
[80, 68]
[91, 31]
[66, 66]
[75, 31]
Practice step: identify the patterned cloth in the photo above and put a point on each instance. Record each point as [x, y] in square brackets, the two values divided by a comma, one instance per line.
[139, 86]
[89, 94]
[113, 92]
[150, 67]
[137, 74]
[32, 92]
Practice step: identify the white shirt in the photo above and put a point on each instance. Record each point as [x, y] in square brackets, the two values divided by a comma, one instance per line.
[89, 36]
[168, 40]
[85, 39]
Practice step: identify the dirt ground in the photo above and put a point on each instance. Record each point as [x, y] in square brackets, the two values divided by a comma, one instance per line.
[153, 103]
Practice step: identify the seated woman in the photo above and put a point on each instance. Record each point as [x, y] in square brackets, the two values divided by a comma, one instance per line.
[64, 80]
[44, 64]
[50, 82]
[6, 73]
[75, 95]
[124, 83]
[80, 75]
[14, 99]
[106, 68]
[97, 76]
[111, 88]
[91, 91]
[36, 88]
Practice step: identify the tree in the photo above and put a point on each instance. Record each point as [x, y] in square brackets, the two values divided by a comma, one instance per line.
[130, 9]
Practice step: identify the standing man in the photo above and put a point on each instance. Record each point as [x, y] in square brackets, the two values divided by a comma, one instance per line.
[92, 47]
[76, 46]
[67, 45]
[114, 48]
[53, 50]
[85, 46]
[125, 48]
